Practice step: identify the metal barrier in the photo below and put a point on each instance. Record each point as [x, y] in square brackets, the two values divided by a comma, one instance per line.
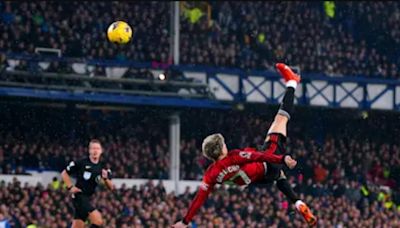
[239, 86]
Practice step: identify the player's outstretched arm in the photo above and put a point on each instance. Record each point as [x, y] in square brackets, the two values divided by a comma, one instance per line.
[201, 196]
[254, 156]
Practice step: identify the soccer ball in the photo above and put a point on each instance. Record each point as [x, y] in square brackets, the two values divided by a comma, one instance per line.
[119, 32]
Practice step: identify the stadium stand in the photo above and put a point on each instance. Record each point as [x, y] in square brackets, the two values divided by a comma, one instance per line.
[256, 35]
[250, 37]
[53, 25]
[136, 143]
[60, 140]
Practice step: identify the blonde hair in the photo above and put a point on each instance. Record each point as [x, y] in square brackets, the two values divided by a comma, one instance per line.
[212, 146]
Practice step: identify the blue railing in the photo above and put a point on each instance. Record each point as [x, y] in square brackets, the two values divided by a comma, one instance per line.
[238, 85]
[195, 68]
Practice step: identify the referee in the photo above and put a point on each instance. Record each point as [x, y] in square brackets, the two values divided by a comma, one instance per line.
[89, 172]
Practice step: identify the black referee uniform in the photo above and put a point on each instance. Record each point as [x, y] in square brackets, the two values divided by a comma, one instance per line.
[88, 175]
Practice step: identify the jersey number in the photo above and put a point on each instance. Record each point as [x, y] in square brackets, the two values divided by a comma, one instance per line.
[240, 174]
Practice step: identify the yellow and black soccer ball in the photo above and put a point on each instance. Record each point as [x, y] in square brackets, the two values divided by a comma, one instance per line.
[119, 32]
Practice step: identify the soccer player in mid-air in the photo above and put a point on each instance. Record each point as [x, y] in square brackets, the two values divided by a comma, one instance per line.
[246, 166]
[89, 172]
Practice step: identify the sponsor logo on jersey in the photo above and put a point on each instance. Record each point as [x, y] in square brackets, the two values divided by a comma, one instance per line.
[204, 186]
[87, 167]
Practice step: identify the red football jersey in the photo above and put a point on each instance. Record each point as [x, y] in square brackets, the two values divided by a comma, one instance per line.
[240, 167]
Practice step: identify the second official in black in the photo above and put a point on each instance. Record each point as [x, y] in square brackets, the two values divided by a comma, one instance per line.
[89, 173]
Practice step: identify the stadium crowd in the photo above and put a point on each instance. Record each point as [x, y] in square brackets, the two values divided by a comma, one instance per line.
[150, 206]
[136, 144]
[359, 39]
[130, 146]
[77, 28]
[353, 181]
[355, 41]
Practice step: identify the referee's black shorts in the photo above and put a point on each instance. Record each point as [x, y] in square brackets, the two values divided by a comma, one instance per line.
[82, 206]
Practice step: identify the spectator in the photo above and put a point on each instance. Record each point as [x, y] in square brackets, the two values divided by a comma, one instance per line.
[320, 173]
[4, 222]
[55, 184]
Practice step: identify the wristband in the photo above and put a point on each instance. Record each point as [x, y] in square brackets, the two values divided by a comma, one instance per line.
[70, 187]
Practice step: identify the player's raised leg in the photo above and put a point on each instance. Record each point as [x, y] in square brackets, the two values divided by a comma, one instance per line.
[277, 133]
[286, 107]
